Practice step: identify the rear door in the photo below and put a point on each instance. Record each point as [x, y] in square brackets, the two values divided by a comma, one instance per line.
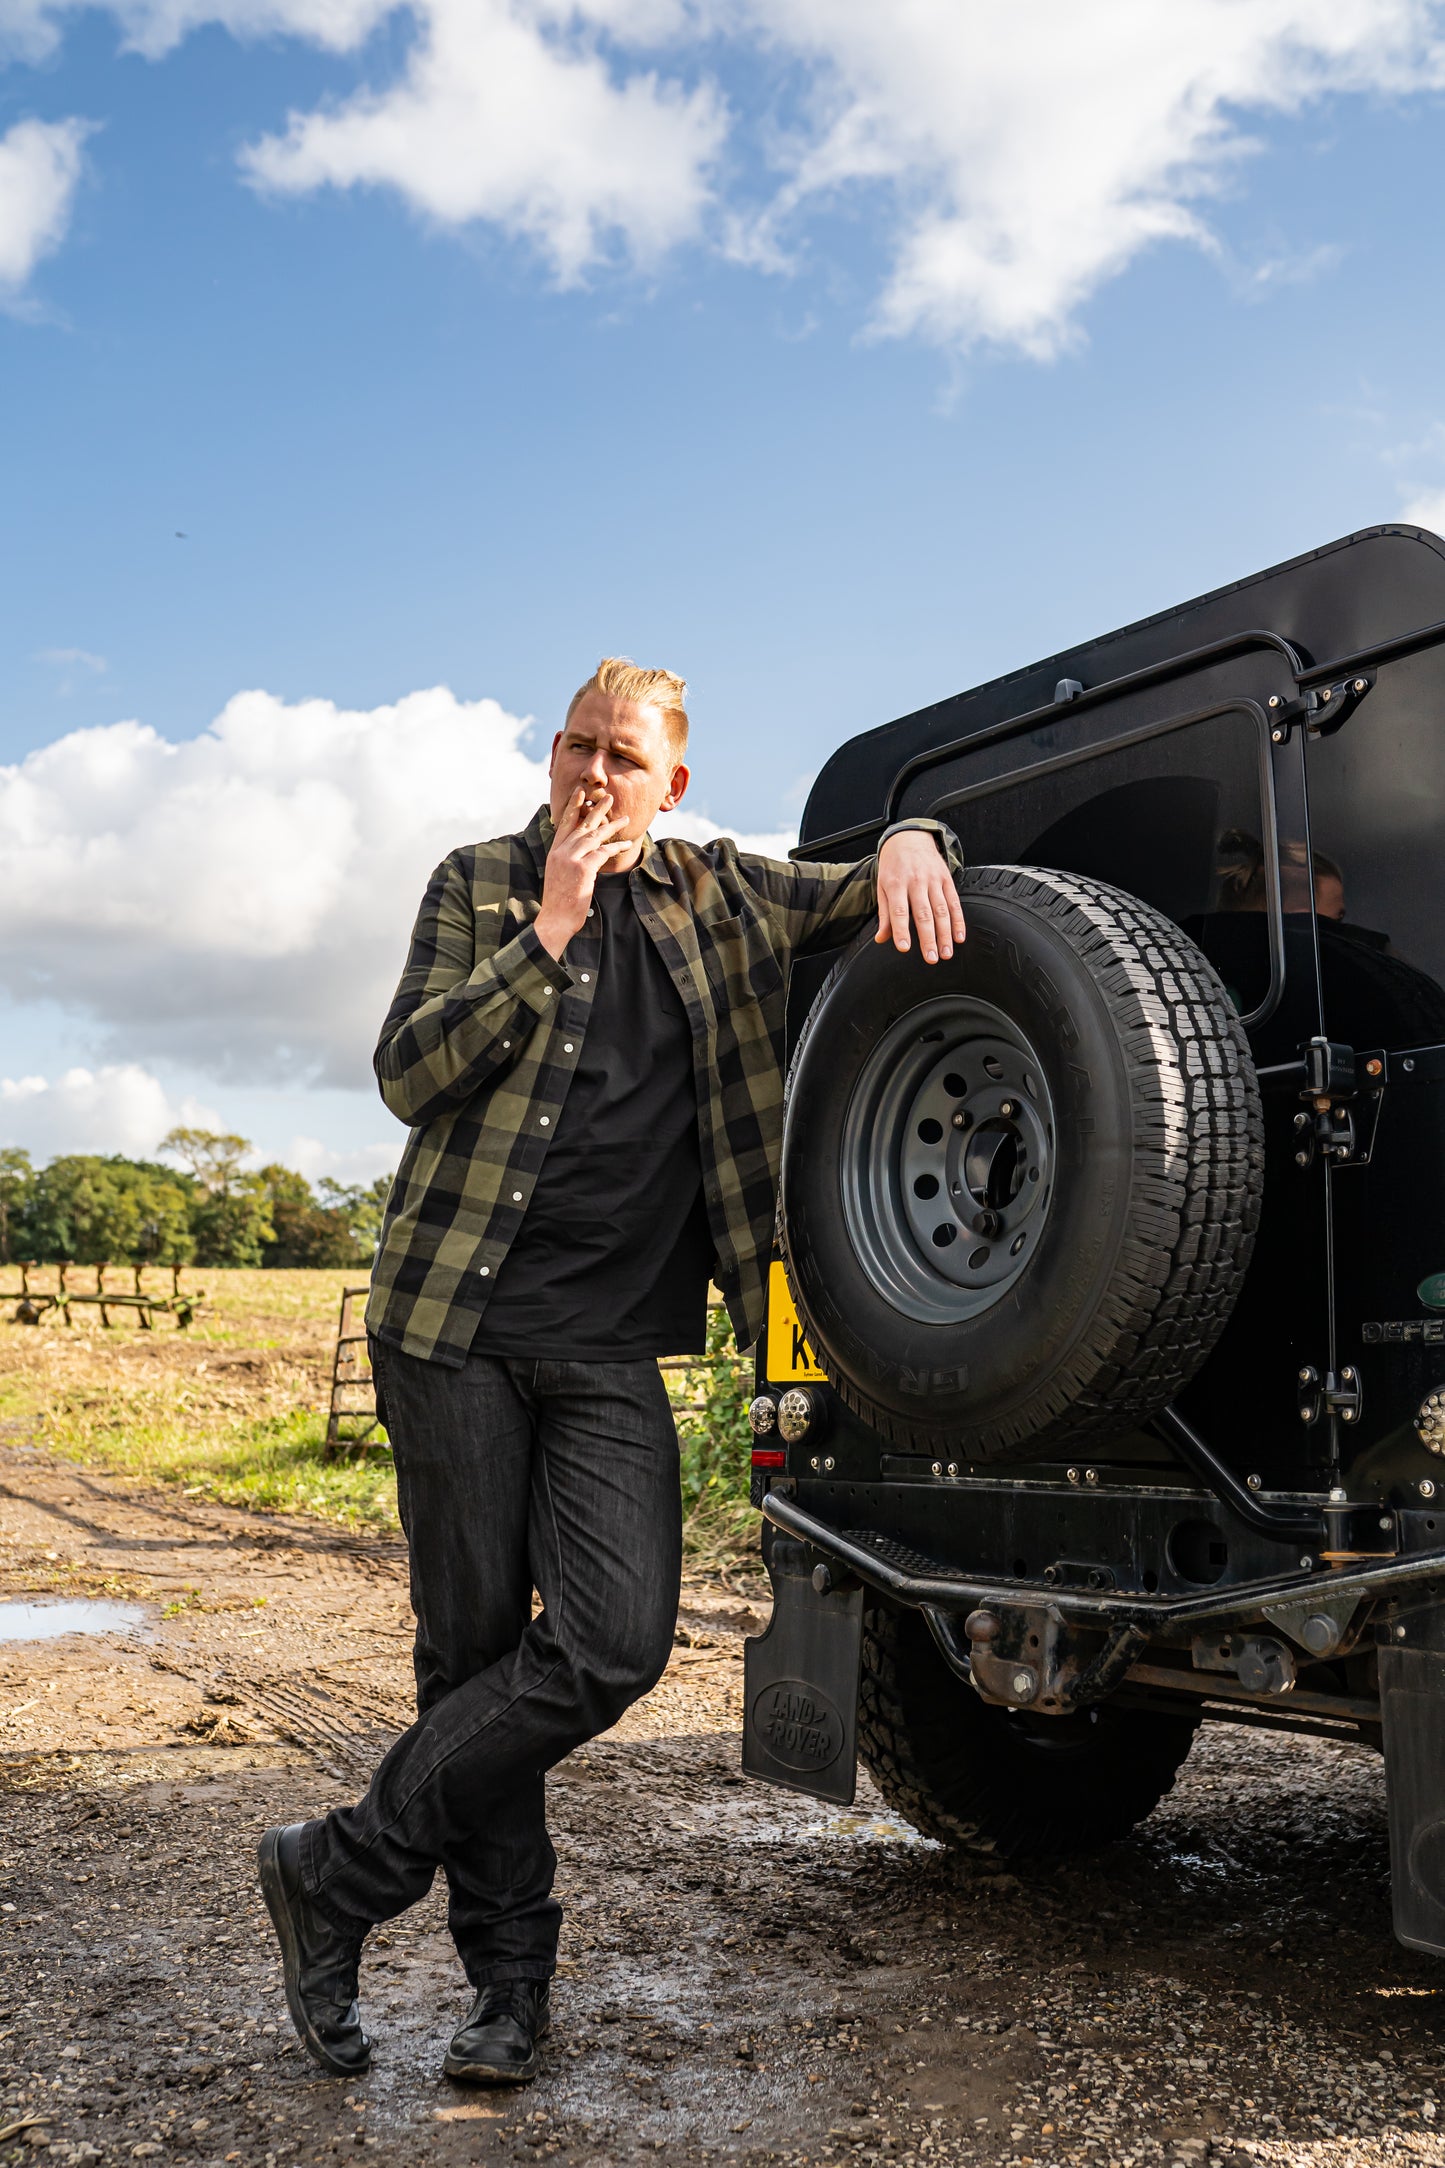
[1187, 794]
[1377, 817]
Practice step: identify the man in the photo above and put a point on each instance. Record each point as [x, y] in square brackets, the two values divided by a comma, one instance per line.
[587, 1044]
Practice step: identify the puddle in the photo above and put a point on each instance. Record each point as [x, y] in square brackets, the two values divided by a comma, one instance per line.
[881, 1828]
[81, 1615]
[758, 1816]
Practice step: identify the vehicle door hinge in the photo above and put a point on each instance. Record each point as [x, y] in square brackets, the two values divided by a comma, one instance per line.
[1343, 1090]
[1329, 1393]
[1327, 706]
[1321, 709]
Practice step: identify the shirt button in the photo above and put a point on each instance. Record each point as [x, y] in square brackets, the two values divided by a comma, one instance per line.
[505, 1044]
[516, 1196]
[546, 1121]
[568, 1047]
[586, 978]
[484, 1273]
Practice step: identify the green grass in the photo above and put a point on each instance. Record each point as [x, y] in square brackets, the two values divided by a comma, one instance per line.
[234, 1410]
[272, 1464]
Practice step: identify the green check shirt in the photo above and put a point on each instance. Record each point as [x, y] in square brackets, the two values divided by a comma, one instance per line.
[481, 1041]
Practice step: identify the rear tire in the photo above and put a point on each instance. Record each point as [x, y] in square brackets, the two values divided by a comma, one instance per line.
[988, 1779]
[1020, 1188]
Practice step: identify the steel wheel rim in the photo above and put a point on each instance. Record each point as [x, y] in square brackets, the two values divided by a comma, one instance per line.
[946, 1189]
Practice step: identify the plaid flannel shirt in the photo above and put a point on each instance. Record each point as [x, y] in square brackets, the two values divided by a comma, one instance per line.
[480, 1043]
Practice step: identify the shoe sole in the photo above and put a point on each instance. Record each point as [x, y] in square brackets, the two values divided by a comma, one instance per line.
[269, 1870]
[491, 2073]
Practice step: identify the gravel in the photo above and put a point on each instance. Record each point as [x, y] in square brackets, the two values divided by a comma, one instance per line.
[747, 1975]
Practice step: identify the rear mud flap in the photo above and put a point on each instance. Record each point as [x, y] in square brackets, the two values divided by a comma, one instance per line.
[800, 1682]
[1412, 1702]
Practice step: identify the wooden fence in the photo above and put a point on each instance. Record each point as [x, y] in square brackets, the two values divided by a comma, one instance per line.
[32, 1300]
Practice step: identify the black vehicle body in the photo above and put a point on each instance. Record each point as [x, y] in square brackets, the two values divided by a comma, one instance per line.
[1272, 1550]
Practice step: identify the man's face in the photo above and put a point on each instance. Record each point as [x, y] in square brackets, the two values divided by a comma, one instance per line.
[617, 746]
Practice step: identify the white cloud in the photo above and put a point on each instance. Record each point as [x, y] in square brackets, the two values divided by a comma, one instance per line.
[120, 1107]
[32, 29]
[698, 824]
[79, 658]
[309, 1156]
[238, 905]
[507, 112]
[1426, 508]
[29, 29]
[40, 167]
[1019, 154]
[1034, 148]
[240, 902]
[73, 666]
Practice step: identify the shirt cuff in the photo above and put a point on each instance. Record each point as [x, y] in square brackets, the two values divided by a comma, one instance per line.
[530, 971]
[942, 834]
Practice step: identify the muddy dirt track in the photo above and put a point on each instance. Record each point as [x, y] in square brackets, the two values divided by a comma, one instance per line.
[746, 1976]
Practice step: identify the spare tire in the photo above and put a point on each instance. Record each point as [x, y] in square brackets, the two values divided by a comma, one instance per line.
[1020, 1188]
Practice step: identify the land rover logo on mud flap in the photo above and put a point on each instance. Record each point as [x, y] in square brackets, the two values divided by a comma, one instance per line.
[1431, 1291]
[798, 1724]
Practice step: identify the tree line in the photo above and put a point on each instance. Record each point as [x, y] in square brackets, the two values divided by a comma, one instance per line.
[196, 1203]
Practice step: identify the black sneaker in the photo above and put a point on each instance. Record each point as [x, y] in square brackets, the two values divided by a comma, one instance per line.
[319, 1961]
[497, 2043]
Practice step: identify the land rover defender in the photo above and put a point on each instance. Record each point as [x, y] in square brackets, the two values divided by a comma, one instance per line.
[1103, 1388]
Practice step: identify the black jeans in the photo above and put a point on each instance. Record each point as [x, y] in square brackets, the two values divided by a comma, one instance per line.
[511, 1475]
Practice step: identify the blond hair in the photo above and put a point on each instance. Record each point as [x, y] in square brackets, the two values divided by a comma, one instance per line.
[619, 678]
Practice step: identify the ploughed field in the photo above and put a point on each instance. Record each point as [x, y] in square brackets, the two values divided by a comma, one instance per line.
[747, 1975]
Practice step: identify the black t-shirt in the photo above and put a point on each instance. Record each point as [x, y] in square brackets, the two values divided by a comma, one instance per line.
[613, 1258]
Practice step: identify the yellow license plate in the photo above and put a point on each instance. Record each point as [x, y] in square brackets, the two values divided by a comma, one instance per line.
[788, 1356]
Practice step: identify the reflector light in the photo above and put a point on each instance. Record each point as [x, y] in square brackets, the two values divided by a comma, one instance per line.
[770, 1458]
[795, 1414]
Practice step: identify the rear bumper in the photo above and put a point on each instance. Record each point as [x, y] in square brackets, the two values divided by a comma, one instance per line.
[895, 1570]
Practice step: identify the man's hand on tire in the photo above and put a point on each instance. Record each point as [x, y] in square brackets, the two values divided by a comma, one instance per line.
[916, 889]
[584, 845]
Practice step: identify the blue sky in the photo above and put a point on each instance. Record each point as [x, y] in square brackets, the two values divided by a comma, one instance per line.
[835, 370]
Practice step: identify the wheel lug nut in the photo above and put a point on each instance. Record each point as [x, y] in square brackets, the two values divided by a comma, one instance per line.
[986, 1222]
[962, 1119]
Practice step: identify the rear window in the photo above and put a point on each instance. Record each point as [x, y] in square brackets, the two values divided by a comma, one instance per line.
[1180, 818]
